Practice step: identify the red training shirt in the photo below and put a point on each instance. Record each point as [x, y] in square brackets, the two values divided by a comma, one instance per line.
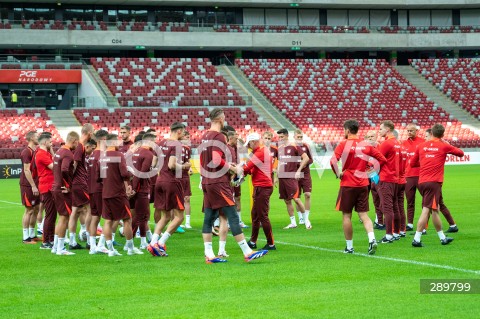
[62, 169]
[355, 155]
[411, 145]
[390, 148]
[260, 167]
[431, 156]
[45, 174]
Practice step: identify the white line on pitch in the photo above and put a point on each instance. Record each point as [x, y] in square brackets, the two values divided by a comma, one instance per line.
[13, 203]
[406, 261]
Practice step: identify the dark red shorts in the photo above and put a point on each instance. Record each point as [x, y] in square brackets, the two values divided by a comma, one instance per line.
[218, 195]
[352, 197]
[80, 196]
[116, 208]
[96, 204]
[187, 189]
[431, 194]
[142, 203]
[28, 199]
[169, 195]
[63, 202]
[305, 184]
[288, 188]
[131, 202]
[237, 191]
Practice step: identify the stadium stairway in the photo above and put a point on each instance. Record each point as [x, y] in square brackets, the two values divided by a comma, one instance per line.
[438, 97]
[64, 121]
[110, 100]
[274, 118]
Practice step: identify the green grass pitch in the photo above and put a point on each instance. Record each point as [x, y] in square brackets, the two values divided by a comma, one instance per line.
[307, 277]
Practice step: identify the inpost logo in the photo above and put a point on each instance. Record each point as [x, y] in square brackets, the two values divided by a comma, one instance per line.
[7, 171]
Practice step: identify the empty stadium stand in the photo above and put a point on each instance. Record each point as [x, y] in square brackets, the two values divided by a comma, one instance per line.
[319, 95]
[289, 29]
[163, 82]
[14, 124]
[243, 119]
[458, 78]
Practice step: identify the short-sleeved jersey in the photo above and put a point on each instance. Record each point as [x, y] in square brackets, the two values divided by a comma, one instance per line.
[113, 171]
[213, 142]
[80, 177]
[45, 174]
[411, 145]
[142, 161]
[274, 156]
[390, 148]
[26, 158]
[62, 169]
[186, 156]
[125, 147]
[306, 149]
[431, 156]
[286, 163]
[169, 148]
[355, 155]
[94, 181]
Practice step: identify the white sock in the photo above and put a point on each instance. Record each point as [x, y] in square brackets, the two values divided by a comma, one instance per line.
[83, 227]
[454, 225]
[154, 239]
[441, 235]
[388, 236]
[66, 233]
[371, 236]
[396, 235]
[60, 245]
[164, 238]
[300, 215]
[306, 216]
[40, 226]
[129, 243]
[73, 241]
[101, 241]
[113, 236]
[244, 246]
[209, 250]
[149, 234]
[110, 245]
[376, 220]
[221, 246]
[292, 220]
[55, 242]
[418, 236]
[31, 232]
[410, 225]
[26, 234]
[240, 216]
[349, 244]
[93, 243]
[88, 236]
[216, 223]
[143, 241]
[187, 220]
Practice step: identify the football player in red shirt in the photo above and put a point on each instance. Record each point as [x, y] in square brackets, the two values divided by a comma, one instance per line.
[260, 167]
[169, 195]
[44, 166]
[217, 191]
[288, 173]
[126, 141]
[355, 155]
[80, 196]
[61, 189]
[430, 156]
[389, 173]
[371, 137]
[304, 183]
[28, 190]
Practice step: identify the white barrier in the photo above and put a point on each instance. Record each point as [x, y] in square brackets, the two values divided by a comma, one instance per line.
[468, 158]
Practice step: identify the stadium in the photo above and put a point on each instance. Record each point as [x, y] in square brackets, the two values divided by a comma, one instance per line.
[142, 70]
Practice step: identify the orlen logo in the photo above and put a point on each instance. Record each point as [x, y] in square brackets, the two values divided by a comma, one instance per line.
[28, 74]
